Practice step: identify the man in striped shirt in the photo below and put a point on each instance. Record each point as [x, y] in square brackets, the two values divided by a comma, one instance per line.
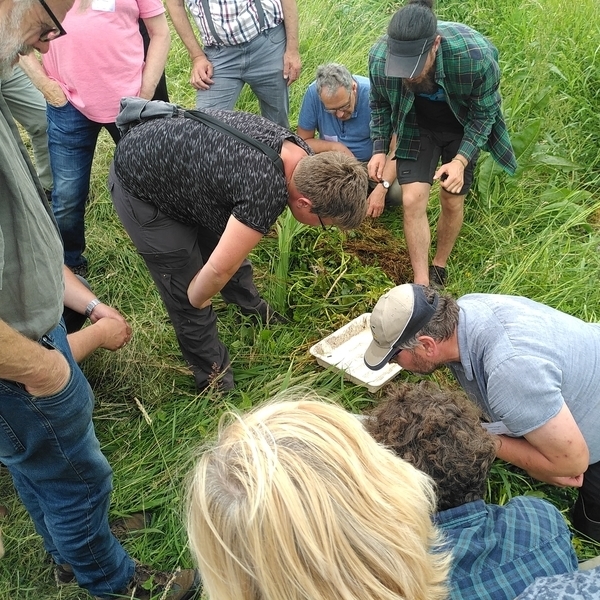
[243, 41]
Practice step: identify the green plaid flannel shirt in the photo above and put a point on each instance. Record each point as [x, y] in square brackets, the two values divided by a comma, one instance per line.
[466, 67]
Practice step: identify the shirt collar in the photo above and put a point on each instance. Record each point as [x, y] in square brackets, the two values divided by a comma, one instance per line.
[463, 348]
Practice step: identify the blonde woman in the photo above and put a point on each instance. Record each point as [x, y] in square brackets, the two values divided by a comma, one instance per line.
[295, 500]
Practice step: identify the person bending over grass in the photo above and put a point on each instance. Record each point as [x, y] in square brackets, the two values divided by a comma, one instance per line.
[497, 550]
[532, 369]
[196, 199]
[295, 500]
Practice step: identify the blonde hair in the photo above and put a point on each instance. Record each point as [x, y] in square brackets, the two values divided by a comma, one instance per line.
[295, 500]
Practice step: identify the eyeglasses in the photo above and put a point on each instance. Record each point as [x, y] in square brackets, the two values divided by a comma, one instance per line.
[322, 224]
[51, 33]
[333, 111]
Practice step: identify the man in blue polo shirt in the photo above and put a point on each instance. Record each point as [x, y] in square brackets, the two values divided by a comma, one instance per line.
[336, 105]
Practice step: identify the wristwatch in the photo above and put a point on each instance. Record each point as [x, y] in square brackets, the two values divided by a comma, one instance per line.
[385, 184]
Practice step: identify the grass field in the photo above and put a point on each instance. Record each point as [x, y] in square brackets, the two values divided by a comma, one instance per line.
[534, 235]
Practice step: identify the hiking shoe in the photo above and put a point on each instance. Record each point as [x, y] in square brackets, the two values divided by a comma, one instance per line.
[148, 584]
[63, 574]
[266, 314]
[123, 526]
[437, 277]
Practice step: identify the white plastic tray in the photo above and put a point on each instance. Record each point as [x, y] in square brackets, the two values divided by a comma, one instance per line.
[344, 350]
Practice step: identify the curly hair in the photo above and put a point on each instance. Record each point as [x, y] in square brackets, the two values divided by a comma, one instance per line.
[295, 500]
[440, 433]
[337, 185]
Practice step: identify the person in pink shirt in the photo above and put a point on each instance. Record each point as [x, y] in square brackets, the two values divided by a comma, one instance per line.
[83, 91]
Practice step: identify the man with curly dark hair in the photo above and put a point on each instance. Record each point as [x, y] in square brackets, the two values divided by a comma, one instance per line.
[498, 550]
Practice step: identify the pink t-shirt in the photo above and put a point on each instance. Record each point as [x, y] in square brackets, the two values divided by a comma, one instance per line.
[101, 58]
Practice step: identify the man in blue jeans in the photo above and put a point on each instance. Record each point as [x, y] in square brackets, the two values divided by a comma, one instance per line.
[47, 438]
[243, 41]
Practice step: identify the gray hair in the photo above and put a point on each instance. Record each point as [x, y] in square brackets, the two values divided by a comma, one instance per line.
[443, 323]
[331, 77]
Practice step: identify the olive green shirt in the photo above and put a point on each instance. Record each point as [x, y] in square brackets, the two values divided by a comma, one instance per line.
[31, 255]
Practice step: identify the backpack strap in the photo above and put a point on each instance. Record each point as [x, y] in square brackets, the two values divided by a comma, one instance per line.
[215, 123]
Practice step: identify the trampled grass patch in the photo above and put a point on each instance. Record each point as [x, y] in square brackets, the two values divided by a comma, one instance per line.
[534, 235]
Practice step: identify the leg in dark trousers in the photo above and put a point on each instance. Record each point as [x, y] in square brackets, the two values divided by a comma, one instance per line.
[586, 513]
[173, 256]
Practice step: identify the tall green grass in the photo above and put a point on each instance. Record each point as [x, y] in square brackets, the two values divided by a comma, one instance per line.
[534, 235]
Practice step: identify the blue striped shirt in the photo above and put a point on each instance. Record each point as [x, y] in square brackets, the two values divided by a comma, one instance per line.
[499, 550]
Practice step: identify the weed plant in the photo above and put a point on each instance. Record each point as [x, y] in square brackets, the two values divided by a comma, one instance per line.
[534, 235]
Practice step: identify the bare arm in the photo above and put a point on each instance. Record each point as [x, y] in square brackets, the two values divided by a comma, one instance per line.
[291, 59]
[233, 247]
[43, 372]
[156, 58]
[50, 89]
[111, 334]
[109, 329]
[555, 452]
[377, 196]
[318, 145]
[202, 70]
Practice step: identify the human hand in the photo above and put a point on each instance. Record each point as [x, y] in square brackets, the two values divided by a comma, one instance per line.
[54, 94]
[51, 377]
[292, 65]
[376, 166]
[376, 201]
[565, 481]
[202, 72]
[114, 333]
[451, 176]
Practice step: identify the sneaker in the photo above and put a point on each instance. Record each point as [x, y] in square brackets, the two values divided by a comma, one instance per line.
[148, 584]
[63, 575]
[123, 526]
[437, 277]
[265, 313]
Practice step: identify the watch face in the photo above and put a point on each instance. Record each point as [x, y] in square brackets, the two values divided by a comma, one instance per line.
[385, 184]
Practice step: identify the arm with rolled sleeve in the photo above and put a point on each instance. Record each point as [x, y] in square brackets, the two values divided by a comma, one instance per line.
[525, 393]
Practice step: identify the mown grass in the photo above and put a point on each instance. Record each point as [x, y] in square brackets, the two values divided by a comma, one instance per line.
[534, 235]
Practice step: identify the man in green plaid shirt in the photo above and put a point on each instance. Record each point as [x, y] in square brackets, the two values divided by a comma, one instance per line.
[434, 84]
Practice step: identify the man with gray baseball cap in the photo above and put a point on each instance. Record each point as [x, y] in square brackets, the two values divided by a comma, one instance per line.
[532, 369]
[435, 84]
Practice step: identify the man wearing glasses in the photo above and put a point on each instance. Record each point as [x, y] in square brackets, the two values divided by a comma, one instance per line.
[336, 106]
[47, 438]
[195, 226]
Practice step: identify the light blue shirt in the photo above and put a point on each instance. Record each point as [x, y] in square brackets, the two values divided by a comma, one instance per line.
[521, 360]
[353, 133]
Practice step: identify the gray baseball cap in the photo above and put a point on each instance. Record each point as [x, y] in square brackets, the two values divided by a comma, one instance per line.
[398, 315]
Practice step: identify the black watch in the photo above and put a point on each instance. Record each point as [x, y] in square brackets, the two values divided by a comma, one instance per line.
[385, 184]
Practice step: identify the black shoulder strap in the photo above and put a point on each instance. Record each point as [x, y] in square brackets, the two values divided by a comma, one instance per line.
[211, 25]
[215, 123]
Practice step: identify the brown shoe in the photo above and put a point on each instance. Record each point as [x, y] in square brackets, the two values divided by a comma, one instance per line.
[123, 526]
[63, 575]
[148, 584]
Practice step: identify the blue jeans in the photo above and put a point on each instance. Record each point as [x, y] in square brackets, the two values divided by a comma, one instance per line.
[62, 477]
[72, 141]
[259, 63]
